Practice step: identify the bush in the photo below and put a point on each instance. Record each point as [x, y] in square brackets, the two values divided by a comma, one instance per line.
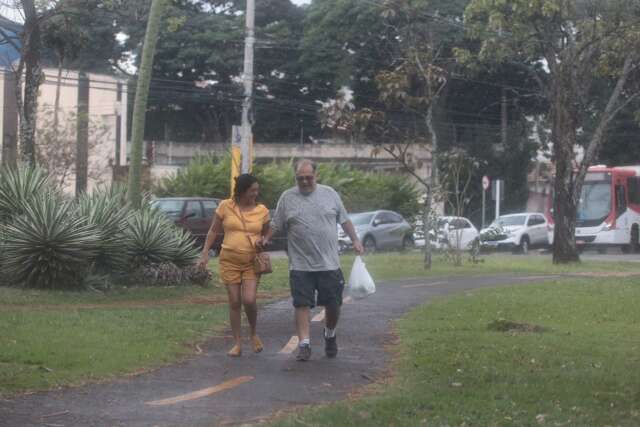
[52, 243]
[152, 239]
[18, 186]
[49, 246]
[360, 190]
[205, 176]
[103, 212]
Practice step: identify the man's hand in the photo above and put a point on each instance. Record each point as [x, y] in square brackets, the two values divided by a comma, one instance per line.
[262, 243]
[358, 248]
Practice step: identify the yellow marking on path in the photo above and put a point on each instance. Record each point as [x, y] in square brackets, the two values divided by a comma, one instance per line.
[291, 345]
[201, 393]
[318, 317]
[424, 285]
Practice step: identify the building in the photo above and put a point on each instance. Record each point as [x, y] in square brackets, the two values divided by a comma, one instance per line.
[101, 99]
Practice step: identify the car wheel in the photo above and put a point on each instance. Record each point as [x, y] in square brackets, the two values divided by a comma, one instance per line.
[407, 243]
[524, 245]
[369, 244]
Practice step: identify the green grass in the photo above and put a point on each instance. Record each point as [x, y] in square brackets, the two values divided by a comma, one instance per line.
[391, 266]
[57, 338]
[452, 369]
[45, 349]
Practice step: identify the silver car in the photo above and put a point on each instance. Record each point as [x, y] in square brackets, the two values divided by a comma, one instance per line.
[378, 230]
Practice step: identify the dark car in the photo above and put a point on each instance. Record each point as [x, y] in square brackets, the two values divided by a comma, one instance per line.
[194, 214]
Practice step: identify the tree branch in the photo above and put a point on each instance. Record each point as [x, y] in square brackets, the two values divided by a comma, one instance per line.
[404, 163]
[608, 114]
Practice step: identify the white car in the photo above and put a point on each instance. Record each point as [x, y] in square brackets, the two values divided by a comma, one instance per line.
[452, 232]
[516, 232]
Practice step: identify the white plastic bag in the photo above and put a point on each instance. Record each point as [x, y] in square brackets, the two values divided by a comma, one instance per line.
[360, 281]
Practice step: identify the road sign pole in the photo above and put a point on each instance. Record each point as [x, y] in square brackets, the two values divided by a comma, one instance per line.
[484, 196]
[485, 186]
[498, 182]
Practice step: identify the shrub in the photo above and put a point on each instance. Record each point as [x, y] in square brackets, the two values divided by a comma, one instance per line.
[50, 247]
[18, 186]
[152, 239]
[360, 190]
[103, 212]
[208, 176]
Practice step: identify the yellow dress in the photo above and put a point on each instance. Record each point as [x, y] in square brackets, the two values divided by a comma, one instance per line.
[238, 250]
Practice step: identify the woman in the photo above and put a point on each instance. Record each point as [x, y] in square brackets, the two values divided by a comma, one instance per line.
[244, 223]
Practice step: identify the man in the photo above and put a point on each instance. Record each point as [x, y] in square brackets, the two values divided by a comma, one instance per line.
[309, 213]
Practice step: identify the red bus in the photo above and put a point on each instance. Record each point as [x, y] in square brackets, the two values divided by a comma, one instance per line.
[609, 208]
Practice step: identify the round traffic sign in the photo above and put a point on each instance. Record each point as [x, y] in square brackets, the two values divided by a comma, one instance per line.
[485, 182]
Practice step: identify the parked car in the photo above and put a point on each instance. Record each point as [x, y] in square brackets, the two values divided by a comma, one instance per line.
[452, 232]
[194, 214]
[378, 230]
[517, 232]
[456, 232]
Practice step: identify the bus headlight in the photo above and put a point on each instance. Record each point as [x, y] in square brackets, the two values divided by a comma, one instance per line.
[607, 227]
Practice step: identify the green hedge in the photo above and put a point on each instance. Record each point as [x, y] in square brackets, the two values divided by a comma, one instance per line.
[208, 176]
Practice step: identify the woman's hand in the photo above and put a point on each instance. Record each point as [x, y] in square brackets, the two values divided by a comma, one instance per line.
[204, 260]
[262, 243]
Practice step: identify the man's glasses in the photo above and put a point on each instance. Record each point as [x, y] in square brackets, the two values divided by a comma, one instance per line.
[302, 178]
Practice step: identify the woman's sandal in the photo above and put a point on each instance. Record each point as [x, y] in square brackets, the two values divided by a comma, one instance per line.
[236, 351]
[257, 344]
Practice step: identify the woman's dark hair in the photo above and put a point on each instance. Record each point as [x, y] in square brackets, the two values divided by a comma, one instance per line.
[243, 183]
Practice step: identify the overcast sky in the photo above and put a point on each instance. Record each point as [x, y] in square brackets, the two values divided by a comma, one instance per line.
[300, 1]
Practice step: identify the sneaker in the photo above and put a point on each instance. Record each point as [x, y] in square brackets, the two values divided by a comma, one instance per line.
[330, 347]
[304, 353]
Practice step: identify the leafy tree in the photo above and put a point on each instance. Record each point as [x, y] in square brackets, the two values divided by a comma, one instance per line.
[583, 57]
[408, 89]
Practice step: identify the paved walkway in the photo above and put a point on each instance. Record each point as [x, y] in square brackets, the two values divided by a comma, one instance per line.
[213, 389]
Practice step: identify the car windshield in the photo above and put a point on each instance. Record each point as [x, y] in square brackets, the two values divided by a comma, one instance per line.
[506, 221]
[595, 201]
[442, 222]
[361, 219]
[171, 208]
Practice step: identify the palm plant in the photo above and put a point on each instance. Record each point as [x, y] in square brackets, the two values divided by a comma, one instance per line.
[50, 247]
[151, 239]
[103, 211]
[18, 186]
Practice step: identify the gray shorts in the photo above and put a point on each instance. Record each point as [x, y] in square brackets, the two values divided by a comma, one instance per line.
[329, 286]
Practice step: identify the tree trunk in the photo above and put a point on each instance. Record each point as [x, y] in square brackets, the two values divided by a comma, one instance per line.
[28, 103]
[565, 200]
[433, 185]
[82, 134]
[56, 103]
[134, 192]
[9, 122]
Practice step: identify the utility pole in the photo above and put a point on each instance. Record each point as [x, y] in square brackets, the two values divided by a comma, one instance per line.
[247, 78]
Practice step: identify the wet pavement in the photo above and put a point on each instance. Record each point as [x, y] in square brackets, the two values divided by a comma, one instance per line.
[212, 389]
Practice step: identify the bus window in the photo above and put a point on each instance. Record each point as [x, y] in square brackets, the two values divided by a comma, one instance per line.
[634, 190]
[621, 200]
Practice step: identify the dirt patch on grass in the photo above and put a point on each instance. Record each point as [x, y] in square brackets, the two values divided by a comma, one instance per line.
[502, 325]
